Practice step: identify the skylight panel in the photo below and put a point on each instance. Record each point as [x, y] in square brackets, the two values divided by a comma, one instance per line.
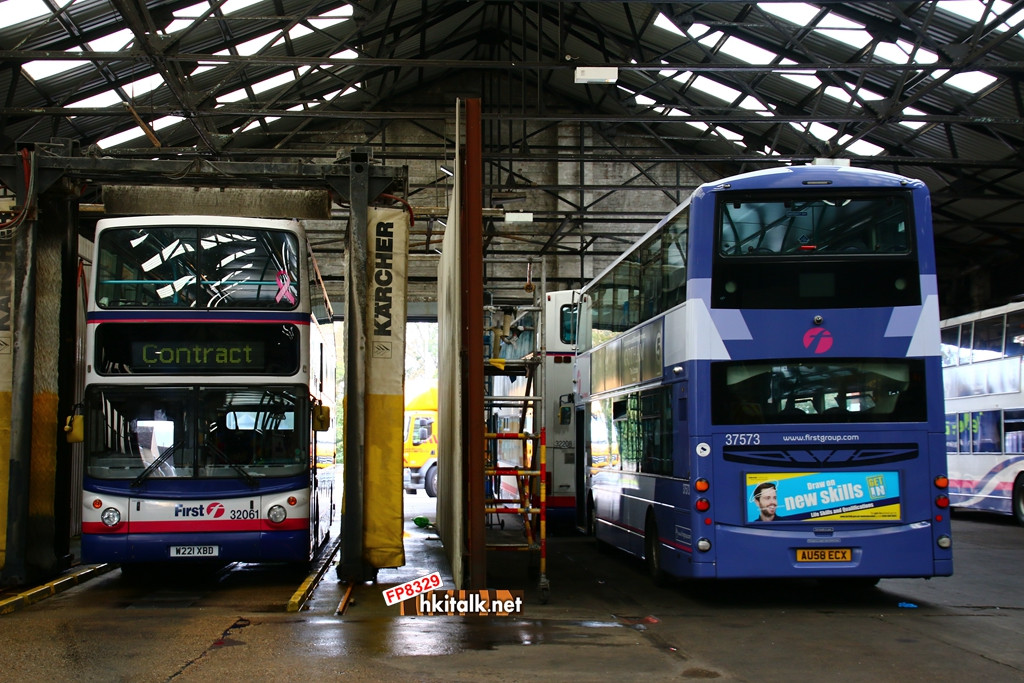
[798, 13]
[664, 22]
[971, 81]
[821, 131]
[974, 10]
[233, 96]
[747, 52]
[676, 75]
[838, 93]
[706, 39]
[345, 54]
[900, 53]
[165, 121]
[250, 47]
[914, 125]
[113, 42]
[13, 12]
[41, 69]
[339, 93]
[751, 103]
[715, 89]
[861, 147]
[818, 130]
[297, 32]
[257, 122]
[278, 80]
[331, 17]
[177, 25]
[104, 99]
[729, 134]
[133, 133]
[144, 85]
[119, 138]
[183, 18]
[232, 6]
[808, 79]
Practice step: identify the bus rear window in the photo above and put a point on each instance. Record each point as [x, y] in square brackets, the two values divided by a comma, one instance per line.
[818, 249]
[788, 392]
[813, 224]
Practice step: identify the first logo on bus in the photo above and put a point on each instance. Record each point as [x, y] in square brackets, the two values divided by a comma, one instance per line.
[818, 339]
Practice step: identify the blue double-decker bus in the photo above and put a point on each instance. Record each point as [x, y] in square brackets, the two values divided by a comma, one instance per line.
[209, 372]
[759, 388]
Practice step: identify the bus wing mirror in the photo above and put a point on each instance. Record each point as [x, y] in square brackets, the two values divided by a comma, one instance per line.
[74, 429]
[321, 418]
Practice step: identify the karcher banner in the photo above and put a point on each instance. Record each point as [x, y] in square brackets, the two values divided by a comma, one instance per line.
[387, 274]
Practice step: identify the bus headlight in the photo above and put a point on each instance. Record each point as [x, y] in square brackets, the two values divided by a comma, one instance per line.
[703, 545]
[277, 514]
[944, 541]
[111, 516]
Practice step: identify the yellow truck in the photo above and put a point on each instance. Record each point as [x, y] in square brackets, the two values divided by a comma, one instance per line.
[419, 449]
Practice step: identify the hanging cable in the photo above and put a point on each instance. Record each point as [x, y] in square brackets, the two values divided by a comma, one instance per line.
[408, 207]
[28, 161]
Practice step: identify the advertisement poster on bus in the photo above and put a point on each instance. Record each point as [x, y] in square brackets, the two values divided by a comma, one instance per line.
[821, 496]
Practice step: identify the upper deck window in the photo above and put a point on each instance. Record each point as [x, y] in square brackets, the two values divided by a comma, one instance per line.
[814, 224]
[815, 249]
[189, 267]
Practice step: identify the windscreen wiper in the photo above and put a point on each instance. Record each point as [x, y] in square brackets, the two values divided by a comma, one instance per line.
[156, 463]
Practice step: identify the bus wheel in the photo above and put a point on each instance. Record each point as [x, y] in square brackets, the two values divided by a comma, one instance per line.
[652, 551]
[430, 482]
[1018, 499]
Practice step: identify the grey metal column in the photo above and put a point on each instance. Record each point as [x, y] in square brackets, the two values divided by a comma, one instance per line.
[24, 337]
[353, 567]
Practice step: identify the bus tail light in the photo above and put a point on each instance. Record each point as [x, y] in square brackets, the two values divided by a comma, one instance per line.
[944, 542]
[702, 505]
[701, 485]
[277, 514]
[942, 501]
[703, 545]
[942, 482]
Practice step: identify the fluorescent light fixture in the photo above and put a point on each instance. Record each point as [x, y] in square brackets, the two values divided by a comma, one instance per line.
[597, 74]
[518, 217]
[447, 171]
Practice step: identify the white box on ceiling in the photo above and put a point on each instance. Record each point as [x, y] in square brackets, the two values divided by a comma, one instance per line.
[518, 217]
[597, 74]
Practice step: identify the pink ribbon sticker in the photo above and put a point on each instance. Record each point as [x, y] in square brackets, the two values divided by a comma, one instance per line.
[283, 284]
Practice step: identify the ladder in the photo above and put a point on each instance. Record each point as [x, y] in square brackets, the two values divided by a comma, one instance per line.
[518, 490]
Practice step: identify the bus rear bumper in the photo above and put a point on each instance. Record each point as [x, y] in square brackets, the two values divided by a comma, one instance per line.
[244, 546]
[906, 550]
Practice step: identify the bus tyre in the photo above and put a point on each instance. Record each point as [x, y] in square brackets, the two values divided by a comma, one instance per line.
[652, 551]
[1018, 499]
[430, 482]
